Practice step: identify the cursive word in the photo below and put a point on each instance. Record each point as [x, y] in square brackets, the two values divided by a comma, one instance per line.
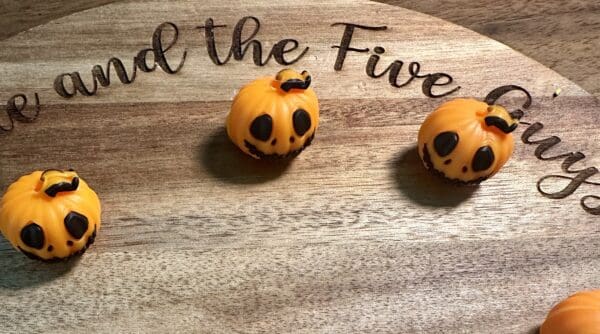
[240, 47]
[581, 176]
[140, 61]
[430, 81]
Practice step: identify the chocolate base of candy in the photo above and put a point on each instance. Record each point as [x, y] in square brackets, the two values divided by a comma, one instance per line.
[88, 243]
[429, 166]
[458, 182]
[260, 155]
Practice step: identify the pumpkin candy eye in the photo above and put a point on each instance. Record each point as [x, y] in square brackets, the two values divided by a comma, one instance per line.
[261, 127]
[484, 157]
[301, 120]
[76, 224]
[32, 235]
[445, 143]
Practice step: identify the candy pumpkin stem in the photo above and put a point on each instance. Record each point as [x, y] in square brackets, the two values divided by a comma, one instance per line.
[54, 181]
[517, 114]
[289, 79]
[500, 118]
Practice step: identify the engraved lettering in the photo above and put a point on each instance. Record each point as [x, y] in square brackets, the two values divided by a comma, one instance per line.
[372, 63]
[344, 45]
[16, 110]
[393, 70]
[433, 80]
[239, 47]
[160, 50]
[575, 182]
[590, 209]
[104, 79]
[140, 61]
[570, 159]
[543, 145]
[497, 93]
[279, 51]
[211, 46]
[59, 86]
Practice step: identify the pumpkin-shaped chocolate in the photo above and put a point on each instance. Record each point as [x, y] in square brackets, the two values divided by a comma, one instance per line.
[466, 140]
[50, 215]
[274, 117]
[578, 314]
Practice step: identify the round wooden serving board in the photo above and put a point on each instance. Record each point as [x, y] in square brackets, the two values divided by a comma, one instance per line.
[352, 236]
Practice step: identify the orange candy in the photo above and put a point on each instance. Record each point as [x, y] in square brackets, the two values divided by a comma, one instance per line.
[274, 117]
[50, 215]
[578, 314]
[466, 140]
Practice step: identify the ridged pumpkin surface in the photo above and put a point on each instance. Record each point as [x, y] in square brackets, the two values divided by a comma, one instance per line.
[578, 314]
[268, 121]
[456, 141]
[50, 215]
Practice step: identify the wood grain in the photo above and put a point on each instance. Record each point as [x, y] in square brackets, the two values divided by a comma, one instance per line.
[562, 35]
[351, 236]
[18, 16]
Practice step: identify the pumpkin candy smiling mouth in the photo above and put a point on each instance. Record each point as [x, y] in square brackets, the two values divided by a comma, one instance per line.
[274, 117]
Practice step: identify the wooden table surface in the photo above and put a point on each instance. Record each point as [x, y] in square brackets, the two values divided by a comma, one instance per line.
[562, 35]
[352, 236]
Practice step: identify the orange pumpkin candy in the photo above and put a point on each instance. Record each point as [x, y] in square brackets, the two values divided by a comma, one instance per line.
[578, 314]
[274, 117]
[50, 215]
[466, 141]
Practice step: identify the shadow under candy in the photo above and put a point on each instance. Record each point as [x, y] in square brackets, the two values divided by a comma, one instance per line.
[422, 187]
[17, 271]
[225, 161]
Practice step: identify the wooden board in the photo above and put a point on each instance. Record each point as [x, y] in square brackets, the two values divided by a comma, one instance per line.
[351, 236]
[560, 35]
